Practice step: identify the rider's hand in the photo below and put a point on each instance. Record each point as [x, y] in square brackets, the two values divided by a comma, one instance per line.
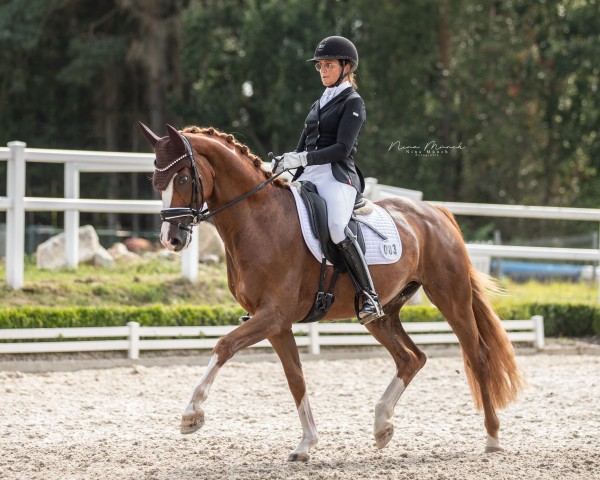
[275, 162]
[291, 160]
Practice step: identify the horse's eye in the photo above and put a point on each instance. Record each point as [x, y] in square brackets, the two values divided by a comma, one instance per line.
[183, 179]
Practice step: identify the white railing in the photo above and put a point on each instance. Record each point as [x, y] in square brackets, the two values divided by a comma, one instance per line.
[16, 204]
[314, 336]
[512, 211]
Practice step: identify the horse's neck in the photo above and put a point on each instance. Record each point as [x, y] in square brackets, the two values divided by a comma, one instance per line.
[245, 226]
[249, 226]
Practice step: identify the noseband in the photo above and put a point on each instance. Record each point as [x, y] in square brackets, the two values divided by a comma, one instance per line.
[172, 214]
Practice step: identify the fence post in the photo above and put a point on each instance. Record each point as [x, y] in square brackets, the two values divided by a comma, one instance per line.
[371, 189]
[71, 174]
[190, 257]
[15, 215]
[134, 340]
[538, 322]
[313, 334]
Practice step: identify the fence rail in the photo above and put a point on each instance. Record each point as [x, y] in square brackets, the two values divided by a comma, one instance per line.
[313, 336]
[16, 204]
[75, 161]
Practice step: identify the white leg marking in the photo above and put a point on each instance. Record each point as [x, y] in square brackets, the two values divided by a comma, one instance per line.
[201, 391]
[493, 444]
[384, 411]
[193, 415]
[310, 437]
[167, 197]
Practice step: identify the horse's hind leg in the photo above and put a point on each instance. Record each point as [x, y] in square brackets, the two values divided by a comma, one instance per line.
[409, 360]
[285, 346]
[458, 312]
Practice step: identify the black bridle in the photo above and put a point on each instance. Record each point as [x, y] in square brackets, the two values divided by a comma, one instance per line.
[172, 214]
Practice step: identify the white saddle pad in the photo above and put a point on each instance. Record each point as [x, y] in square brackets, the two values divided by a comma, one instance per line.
[378, 251]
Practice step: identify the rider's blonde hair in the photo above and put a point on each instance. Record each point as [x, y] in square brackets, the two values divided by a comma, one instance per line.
[352, 80]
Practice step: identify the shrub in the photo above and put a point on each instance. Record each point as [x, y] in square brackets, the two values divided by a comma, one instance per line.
[573, 320]
[567, 320]
[42, 317]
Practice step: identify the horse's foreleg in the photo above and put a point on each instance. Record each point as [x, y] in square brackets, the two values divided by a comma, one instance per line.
[285, 346]
[262, 325]
[409, 360]
[193, 416]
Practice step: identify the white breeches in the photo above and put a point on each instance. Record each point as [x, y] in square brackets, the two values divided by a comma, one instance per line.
[338, 196]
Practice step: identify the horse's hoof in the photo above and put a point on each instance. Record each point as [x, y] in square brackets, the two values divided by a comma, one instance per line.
[493, 449]
[192, 422]
[493, 445]
[383, 438]
[298, 457]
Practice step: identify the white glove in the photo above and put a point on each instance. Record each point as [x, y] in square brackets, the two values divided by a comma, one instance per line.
[291, 160]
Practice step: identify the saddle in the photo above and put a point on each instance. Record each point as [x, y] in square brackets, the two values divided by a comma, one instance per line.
[317, 211]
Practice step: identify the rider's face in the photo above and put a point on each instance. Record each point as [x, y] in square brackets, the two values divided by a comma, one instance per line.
[330, 71]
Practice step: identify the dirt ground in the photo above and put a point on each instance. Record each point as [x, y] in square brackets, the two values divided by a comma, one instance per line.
[123, 423]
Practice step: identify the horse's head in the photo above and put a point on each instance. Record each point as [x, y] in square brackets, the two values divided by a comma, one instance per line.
[183, 182]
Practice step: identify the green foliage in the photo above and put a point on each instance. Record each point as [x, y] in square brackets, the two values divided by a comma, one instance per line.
[559, 319]
[514, 82]
[153, 293]
[49, 317]
[151, 282]
[547, 292]
[420, 314]
[562, 320]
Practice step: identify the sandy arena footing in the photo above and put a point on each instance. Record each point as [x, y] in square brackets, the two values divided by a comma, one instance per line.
[123, 423]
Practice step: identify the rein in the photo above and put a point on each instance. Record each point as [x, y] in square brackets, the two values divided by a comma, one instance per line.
[198, 215]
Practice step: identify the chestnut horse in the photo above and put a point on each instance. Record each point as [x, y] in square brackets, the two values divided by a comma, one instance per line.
[273, 275]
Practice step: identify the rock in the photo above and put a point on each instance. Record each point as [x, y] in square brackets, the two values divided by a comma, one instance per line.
[209, 259]
[103, 259]
[139, 245]
[210, 244]
[122, 255]
[51, 255]
[163, 254]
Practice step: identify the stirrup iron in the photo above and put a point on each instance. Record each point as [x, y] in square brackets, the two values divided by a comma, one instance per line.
[370, 302]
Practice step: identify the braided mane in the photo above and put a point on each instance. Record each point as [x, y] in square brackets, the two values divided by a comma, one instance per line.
[240, 147]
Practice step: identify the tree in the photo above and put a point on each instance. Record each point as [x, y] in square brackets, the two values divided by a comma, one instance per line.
[514, 83]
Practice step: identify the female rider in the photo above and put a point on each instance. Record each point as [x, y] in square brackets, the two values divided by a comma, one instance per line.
[325, 156]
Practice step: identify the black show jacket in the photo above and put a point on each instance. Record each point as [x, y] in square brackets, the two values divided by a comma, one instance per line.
[330, 135]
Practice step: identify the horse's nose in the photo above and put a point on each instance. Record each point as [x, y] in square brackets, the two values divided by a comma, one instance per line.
[175, 242]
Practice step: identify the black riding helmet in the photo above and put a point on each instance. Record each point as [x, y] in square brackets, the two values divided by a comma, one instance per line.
[338, 48]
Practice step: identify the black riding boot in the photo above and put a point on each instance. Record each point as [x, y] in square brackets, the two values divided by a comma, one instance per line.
[359, 272]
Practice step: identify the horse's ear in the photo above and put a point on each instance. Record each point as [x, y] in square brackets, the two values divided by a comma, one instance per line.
[152, 139]
[175, 138]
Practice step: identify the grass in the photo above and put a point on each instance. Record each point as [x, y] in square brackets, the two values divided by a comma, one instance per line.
[159, 281]
[549, 292]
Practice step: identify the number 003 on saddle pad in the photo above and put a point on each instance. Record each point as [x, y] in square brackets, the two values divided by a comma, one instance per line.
[378, 250]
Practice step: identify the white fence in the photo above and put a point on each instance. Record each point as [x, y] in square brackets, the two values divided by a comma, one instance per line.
[515, 211]
[16, 204]
[313, 336]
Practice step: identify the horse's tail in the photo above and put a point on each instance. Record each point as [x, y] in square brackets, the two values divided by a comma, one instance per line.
[505, 379]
